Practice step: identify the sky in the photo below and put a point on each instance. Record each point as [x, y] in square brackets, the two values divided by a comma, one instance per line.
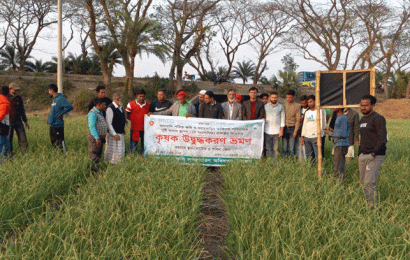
[46, 48]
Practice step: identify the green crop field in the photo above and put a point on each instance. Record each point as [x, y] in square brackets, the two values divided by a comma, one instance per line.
[278, 209]
[52, 206]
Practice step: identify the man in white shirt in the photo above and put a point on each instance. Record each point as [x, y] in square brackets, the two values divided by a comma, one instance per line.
[309, 129]
[232, 110]
[274, 125]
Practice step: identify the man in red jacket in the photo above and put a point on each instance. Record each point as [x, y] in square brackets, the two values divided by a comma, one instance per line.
[4, 122]
[136, 110]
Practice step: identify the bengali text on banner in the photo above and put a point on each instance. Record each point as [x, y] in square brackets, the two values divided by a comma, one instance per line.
[211, 142]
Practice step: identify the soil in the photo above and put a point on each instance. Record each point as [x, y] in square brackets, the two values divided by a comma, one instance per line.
[394, 108]
[213, 217]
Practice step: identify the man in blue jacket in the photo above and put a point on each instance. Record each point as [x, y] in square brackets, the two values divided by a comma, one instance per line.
[340, 135]
[59, 107]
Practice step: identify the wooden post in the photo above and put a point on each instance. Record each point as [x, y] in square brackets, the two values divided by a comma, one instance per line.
[319, 138]
[373, 81]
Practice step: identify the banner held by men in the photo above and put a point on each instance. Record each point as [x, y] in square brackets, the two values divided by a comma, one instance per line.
[208, 141]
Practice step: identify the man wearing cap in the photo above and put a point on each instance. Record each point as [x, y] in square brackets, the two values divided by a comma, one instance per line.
[199, 101]
[232, 110]
[17, 117]
[238, 98]
[211, 108]
[182, 107]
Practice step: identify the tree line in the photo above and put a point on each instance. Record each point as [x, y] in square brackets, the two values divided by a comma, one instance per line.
[337, 34]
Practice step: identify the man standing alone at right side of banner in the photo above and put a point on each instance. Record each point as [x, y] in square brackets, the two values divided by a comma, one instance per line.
[4, 122]
[98, 131]
[372, 150]
[340, 135]
[232, 109]
[290, 138]
[309, 130]
[59, 107]
[274, 125]
[116, 121]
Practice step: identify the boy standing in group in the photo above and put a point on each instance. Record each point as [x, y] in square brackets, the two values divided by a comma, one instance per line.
[136, 110]
[59, 108]
[340, 135]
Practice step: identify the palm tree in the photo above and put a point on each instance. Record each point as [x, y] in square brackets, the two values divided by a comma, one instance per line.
[37, 66]
[244, 70]
[9, 58]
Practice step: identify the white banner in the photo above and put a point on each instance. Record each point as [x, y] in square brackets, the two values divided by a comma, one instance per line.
[212, 142]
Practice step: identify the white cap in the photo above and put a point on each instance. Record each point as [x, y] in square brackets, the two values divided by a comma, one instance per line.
[202, 92]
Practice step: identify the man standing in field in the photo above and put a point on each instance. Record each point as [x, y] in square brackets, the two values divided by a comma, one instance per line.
[17, 117]
[101, 93]
[161, 103]
[211, 108]
[232, 109]
[136, 110]
[274, 125]
[253, 108]
[264, 97]
[340, 135]
[180, 108]
[4, 122]
[98, 130]
[116, 121]
[303, 108]
[198, 102]
[309, 131]
[290, 138]
[59, 107]
[372, 150]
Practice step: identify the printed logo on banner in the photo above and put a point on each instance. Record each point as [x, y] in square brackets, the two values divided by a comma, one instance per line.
[151, 123]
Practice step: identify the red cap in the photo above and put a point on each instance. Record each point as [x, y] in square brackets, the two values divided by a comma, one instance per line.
[238, 96]
[181, 94]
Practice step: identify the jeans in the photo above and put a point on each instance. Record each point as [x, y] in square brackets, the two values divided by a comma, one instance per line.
[302, 153]
[272, 145]
[133, 144]
[21, 136]
[289, 143]
[369, 167]
[4, 147]
[340, 161]
[311, 148]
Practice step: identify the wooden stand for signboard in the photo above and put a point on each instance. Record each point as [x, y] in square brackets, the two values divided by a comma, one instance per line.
[318, 107]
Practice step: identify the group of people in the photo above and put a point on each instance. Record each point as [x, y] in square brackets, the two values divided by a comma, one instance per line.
[296, 124]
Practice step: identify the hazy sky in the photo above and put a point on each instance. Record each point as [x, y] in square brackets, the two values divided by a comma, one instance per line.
[46, 48]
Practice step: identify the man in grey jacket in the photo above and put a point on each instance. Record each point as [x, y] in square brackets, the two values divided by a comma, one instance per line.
[180, 108]
[232, 110]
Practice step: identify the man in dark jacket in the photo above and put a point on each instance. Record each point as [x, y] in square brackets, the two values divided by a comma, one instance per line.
[211, 108]
[59, 108]
[253, 108]
[101, 93]
[372, 150]
[17, 117]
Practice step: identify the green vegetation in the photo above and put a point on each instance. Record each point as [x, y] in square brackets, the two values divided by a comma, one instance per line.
[278, 209]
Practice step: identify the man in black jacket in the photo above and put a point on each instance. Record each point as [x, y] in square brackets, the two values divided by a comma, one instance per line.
[211, 108]
[253, 109]
[372, 150]
[17, 117]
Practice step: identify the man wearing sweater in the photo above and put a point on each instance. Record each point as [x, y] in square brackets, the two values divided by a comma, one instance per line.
[4, 122]
[372, 150]
[340, 134]
[309, 130]
[59, 108]
[290, 139]
[17, 117]
[98, 130]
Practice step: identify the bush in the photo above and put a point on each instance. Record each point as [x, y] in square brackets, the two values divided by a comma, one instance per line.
[81, 101]
[191, 87]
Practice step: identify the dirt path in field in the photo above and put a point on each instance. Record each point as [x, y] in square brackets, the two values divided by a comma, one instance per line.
[214, 218]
